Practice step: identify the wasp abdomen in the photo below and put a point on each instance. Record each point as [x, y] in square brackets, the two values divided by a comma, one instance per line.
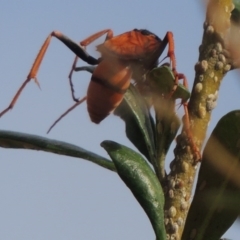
[108, 84]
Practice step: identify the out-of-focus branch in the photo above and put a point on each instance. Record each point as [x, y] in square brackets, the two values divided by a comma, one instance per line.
[210, 69]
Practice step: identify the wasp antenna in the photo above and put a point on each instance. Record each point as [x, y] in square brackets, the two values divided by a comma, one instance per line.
[66, 112]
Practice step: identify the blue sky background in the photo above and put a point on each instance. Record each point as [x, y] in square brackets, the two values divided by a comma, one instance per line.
[46, 196]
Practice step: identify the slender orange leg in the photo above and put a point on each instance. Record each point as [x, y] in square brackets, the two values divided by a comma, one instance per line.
[171, 52]
[95, 36]
[32, 74]
[168, 39]
[76, 48]
[84, 44]
[66, 112]
[186, 121]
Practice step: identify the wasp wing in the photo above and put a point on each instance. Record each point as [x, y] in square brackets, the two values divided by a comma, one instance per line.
[133, 45]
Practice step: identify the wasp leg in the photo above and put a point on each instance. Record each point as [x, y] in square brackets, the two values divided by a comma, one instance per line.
[83, 45]
[185, 95]
[168, 39]
[186, 123]
[66, 112]
[76, 48]
[89, 69]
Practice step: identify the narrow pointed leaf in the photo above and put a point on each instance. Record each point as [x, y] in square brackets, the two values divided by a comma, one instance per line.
[10, 139]
[139, 123]
[140, 178]
[216, 203]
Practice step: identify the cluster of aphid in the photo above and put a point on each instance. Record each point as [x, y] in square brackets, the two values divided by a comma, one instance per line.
[173, 220]
[208, 70]
[219, 61]
[177, 188]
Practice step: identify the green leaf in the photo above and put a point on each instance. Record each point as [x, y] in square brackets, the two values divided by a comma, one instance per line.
[140, 178]
[139, 123]
[215, 205]
[235, 16]
[162, 81]
[9, 139]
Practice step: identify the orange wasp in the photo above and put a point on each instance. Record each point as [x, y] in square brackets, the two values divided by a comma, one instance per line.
[124, 57]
